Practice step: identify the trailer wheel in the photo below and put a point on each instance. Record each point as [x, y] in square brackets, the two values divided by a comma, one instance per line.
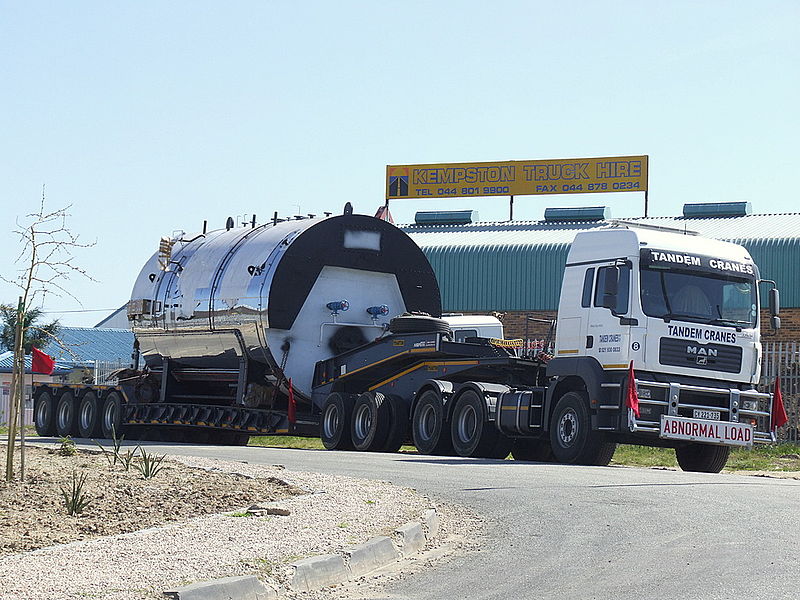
[89, 416]
[398, 423]
[532, 450]
[66, 415]
[369, 425]
[44, 415]
[702, 458]
[474, 435]
[111, 416]
[571, 436]
[428, 425]
[334, 426]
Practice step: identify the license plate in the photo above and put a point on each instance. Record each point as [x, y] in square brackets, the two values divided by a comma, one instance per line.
[708, 415]
[705, 431]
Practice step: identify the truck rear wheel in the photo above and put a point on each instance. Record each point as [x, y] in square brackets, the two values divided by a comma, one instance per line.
[571, 436]
[334, 426]
[428, 425]
[702, 458]
[398, 423]
[111, 416]
[44, 415]
[532, 450]
[369, 427]
[89, 416]
[472, 434]
[66, 415]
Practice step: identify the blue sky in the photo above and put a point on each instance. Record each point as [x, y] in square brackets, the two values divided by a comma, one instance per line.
[150, 117]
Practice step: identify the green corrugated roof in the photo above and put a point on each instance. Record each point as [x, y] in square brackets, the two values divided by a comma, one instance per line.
[518, 265]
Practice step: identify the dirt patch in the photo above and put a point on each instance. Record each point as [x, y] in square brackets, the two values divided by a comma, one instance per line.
[33, 514]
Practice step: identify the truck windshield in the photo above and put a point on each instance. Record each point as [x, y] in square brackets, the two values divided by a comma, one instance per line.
[700, 298]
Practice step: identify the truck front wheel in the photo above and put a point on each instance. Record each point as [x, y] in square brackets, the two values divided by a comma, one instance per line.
[334, 426]
[571, 436]
[428, 426]
[702, 458]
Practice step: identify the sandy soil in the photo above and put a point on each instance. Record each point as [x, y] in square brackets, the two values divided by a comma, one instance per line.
[33, 514]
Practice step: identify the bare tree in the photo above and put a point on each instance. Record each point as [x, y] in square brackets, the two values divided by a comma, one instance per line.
[45, 264]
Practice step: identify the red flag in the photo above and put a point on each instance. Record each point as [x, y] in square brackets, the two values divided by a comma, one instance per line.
[779, 417]
[632, 399]
[292, 407]
[42, 363]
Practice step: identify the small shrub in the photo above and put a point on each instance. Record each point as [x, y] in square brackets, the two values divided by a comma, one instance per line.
[114, 456]
[149, 465]
[75, 499]
[127, 459]
[67, 447]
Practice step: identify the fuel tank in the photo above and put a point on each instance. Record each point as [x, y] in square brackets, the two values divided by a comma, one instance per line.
[279, 297]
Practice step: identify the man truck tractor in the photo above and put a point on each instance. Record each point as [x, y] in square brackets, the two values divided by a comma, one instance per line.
[286, 328]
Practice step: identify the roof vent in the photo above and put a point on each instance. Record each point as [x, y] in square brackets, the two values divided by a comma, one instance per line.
[445, 217]
[716, 209]
[577, 213]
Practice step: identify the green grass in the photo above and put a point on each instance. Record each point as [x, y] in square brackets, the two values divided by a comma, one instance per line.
[290, 441]
[760, 458]
[30, 431]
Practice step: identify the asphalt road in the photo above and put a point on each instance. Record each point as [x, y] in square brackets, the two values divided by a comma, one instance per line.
[557, 531]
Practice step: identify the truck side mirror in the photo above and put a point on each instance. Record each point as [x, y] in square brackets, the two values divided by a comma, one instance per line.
[774, 302]
[610, 287]
[775, 322]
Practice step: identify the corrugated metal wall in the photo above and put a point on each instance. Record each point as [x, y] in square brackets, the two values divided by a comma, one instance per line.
[528, 277]
[499, 277]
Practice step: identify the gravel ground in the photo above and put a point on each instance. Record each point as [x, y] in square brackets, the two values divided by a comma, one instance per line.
[334, 513]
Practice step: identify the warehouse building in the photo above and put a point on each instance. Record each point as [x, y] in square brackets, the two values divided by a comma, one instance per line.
[515, 267]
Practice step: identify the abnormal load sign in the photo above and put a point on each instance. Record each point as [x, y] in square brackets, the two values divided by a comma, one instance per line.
[706, 431]
[518, 177]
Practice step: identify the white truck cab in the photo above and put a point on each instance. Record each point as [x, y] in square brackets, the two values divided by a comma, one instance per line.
[467, 326]
[684, 311]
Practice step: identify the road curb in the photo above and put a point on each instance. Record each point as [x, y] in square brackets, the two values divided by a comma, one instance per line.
[228, 588]
[320, 571]
[374, 554]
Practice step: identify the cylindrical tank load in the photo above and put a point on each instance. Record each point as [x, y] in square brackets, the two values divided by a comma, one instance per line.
[273, 300]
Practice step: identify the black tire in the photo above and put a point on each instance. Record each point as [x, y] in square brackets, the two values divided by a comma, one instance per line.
[370, 421]
[398, 423]
[44, 412]
[334, 425]
[66, 415]
[472, 433]
[702, 458]
[89, 416]
[571, 436]
[532, 450]
[418, 324]
[429, 425]
[111, 416]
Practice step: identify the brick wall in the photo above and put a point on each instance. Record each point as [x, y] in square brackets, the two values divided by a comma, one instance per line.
[514, 323]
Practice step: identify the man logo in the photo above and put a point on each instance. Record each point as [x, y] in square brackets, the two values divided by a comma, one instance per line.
[701, 351]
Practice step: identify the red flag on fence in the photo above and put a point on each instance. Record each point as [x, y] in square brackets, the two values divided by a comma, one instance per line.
[632, 398]
[291, 413]
[779, 417]
[42, 363]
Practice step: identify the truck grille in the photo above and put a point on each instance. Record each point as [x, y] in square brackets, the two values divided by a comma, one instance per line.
[694, 355]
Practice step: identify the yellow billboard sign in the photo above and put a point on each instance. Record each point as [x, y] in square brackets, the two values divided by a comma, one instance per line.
[518, 177]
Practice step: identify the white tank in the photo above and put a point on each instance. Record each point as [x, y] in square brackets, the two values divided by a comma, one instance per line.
[280, 297]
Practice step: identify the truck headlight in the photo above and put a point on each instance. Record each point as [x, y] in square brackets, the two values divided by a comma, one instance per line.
[749, 404]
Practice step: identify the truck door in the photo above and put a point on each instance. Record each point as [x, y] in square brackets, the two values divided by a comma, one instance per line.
[608, 322]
